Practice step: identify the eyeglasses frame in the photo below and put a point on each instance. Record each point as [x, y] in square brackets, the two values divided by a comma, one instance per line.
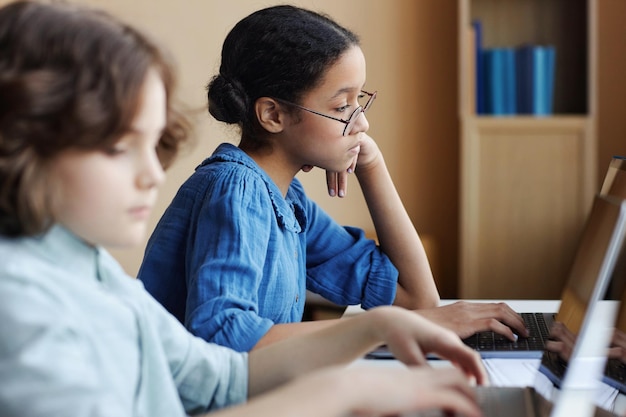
[353, 116]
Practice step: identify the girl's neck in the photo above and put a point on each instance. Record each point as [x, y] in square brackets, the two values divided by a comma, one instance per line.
[278, 168]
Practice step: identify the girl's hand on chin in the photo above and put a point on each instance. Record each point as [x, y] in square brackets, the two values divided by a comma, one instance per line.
[337, 182]
[369, 153]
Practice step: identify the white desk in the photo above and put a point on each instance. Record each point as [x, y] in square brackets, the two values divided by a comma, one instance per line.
[521, 306]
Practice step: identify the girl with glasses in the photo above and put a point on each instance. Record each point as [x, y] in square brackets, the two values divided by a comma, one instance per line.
[86, 126]
[241, 242]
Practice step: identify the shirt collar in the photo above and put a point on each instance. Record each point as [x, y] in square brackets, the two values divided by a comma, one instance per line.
[289, 211]
[61, 246]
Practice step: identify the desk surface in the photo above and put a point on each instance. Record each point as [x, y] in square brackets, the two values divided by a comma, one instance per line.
[521, 306]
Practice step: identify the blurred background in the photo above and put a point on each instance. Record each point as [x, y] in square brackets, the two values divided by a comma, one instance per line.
[411, 47]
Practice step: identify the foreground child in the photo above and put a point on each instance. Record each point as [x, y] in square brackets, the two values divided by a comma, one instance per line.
[86, 126]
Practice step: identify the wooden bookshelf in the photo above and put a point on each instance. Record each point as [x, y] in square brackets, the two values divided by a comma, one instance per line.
[526, 183]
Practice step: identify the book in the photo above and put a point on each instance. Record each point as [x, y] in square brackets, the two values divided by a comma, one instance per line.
[549, 75]
[535, 81]
[510, 81]
[479, 87]
[500, 81]
[524, 85]
[471, 98]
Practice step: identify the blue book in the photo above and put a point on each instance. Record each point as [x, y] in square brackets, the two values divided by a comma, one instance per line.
[500, 85]
[491, 82]
[539, 81]
[549, 71]
[523, 61]
[509, 79]
[535, 79]
[478, 59]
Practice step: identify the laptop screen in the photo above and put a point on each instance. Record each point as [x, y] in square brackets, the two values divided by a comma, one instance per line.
[614, 184]
[615, 371]
[593, 263]
[576, 355]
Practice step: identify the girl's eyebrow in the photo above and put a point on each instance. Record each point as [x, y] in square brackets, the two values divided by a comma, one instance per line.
[345, 90]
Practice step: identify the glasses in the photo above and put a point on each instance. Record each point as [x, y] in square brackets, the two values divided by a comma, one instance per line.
[350, 121]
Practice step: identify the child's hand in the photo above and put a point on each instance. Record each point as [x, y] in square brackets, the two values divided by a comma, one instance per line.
[337, 182]
[369, 154]
[388, 391]
[376, 391]
[410, 337]
[465, 319]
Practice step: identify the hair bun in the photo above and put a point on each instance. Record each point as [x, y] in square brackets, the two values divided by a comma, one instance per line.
[228, 101]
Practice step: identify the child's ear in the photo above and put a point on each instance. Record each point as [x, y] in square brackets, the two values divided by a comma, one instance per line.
[270, 114]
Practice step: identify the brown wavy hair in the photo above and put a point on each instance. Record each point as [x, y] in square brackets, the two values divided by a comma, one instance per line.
[70, 78]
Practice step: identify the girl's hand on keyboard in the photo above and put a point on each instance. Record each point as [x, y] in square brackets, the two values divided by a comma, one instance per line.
[466, 318]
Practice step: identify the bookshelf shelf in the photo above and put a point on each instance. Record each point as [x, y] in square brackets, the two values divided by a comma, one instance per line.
[527, 181]
[572, 120]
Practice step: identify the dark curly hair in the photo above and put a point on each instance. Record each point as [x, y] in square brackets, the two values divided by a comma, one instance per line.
[70, 78]
[281, 52]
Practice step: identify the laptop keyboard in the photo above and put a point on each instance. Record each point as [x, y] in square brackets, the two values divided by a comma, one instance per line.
[491, 341]
[554, 367]
[616, 373]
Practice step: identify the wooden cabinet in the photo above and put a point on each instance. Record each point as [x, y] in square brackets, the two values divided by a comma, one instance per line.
[526, 183]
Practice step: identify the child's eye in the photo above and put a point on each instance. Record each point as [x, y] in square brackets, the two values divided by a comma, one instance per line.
[114, 150]
[343, 108]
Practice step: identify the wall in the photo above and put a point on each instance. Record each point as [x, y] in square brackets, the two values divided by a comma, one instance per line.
[411, 53]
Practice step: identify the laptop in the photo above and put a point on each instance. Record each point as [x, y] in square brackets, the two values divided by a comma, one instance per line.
[615, 179]
[493, 345]
[573, 390]
[615, 370]
[604, 225]
[614, 374]
[614, 184]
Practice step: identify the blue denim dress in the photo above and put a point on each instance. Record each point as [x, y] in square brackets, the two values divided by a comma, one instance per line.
[231, 256]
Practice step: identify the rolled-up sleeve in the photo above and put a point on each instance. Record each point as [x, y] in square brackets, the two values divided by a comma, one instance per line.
[207, 376]
[226, 259]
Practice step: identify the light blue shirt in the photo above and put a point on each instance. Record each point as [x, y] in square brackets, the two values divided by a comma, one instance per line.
[232, 256]
[78, 337]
